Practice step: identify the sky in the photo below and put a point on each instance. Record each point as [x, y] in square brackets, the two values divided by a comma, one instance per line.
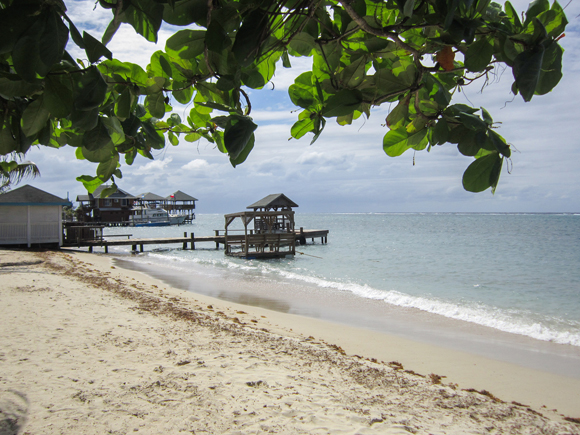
[346, 169]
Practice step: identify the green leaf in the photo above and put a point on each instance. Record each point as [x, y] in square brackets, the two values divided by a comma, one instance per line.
[243, 155]
[301, 127]
[396, 142]
[499, 143]
[52, 41]
[302, 44]
[12, 87]
[115, 129]
[186, 44]
[473, 122]
[98, 155]
[551, 71]
[106, 169]
[286, 60]
[95, 49]
[536, 8]
[342, 103]
[173, 139]
[237, 135]
[58, 97]
[34, 118]
[26, 57]
[440, 133]
[399, 115]
[354, 74]
[91, 89]
[145, 16]
[486, 117]
[479, 55]
[90, 183]
[185, 12]
[110, 31]
[85, 120]
[96, 138]
[108, 191]
[409, 8]
[483, 173]
[246, 46]
[123, 105]
[155, 104]
[74, 33]
[527, 69]
[192, 137]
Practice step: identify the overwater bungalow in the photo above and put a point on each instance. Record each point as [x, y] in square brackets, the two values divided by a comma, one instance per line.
[116, 208]
[268, 229]
[181, 203]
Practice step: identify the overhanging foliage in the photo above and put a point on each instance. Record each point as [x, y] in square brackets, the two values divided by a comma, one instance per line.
[413, 53]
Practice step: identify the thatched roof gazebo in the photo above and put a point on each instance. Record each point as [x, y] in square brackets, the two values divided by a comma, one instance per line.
[180, 203]
[273, 234]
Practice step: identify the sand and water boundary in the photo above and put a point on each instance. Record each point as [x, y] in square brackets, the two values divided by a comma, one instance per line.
[88, 347]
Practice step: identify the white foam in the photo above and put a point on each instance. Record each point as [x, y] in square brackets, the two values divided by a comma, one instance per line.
[512, 321]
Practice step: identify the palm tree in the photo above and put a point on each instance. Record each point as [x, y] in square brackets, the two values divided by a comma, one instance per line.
[12, 171]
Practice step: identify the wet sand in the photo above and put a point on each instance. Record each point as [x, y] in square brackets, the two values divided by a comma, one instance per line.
[88, 347]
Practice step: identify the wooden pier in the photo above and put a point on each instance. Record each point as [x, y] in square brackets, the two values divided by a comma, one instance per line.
[104, 241]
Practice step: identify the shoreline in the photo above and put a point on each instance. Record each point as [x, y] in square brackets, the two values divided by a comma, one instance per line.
[347, 309]
[88, 343]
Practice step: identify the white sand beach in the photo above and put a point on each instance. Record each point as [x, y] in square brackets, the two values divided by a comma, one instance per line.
[89, 348]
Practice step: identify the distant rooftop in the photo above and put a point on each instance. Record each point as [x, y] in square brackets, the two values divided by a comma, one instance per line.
[120, 193]
[181, 196]
[28, 195]
[275, 200]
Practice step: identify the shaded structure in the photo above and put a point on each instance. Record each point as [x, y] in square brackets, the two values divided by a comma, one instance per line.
[31, 216]
[273, 234]
[180, 203]
[116, 208]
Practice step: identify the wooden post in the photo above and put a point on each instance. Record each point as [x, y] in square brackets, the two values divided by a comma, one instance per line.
[141, 247]
[185, 243]
[133, 248]
[106, 249]
[217, 234]
[192, 242]
[90, 249]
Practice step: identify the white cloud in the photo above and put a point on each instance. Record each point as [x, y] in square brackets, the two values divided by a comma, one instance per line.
[154, 167]
[196, 165]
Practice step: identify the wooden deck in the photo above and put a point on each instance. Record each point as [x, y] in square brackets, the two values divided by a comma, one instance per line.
[301, 236]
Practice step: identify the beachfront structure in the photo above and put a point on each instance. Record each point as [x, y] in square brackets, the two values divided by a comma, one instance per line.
[181, 203]
[273, 234]
[273, 203]
[30, 216]
[114, 208]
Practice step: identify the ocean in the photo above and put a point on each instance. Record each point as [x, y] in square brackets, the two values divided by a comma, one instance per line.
[463, 280]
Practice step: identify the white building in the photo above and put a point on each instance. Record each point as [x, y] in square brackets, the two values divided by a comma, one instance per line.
[30, 216]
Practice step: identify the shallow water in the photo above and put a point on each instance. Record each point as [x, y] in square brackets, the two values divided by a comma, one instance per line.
[515, 273]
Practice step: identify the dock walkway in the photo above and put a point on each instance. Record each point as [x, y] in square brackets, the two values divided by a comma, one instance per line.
[300, 235]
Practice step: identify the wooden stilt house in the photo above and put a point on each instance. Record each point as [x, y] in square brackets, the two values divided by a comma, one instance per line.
[268, 229]
[181, 203]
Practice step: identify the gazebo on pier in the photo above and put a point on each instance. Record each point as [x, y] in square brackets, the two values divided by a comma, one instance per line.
[181, 203]
[272, 235]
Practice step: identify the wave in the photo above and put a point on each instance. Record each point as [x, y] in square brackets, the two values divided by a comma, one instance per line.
[513, 321]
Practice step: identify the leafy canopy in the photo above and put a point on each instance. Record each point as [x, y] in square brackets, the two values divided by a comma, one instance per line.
[413, 53]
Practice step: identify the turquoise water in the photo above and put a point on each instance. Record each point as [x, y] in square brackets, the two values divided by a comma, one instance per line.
[517, 273]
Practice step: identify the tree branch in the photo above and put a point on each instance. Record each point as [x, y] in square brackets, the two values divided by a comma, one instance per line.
[393, 36]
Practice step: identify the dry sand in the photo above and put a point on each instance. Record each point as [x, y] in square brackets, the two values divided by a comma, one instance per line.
[87, 348]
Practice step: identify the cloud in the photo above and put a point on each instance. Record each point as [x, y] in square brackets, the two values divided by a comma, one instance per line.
[196, 165]
[154, 167]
